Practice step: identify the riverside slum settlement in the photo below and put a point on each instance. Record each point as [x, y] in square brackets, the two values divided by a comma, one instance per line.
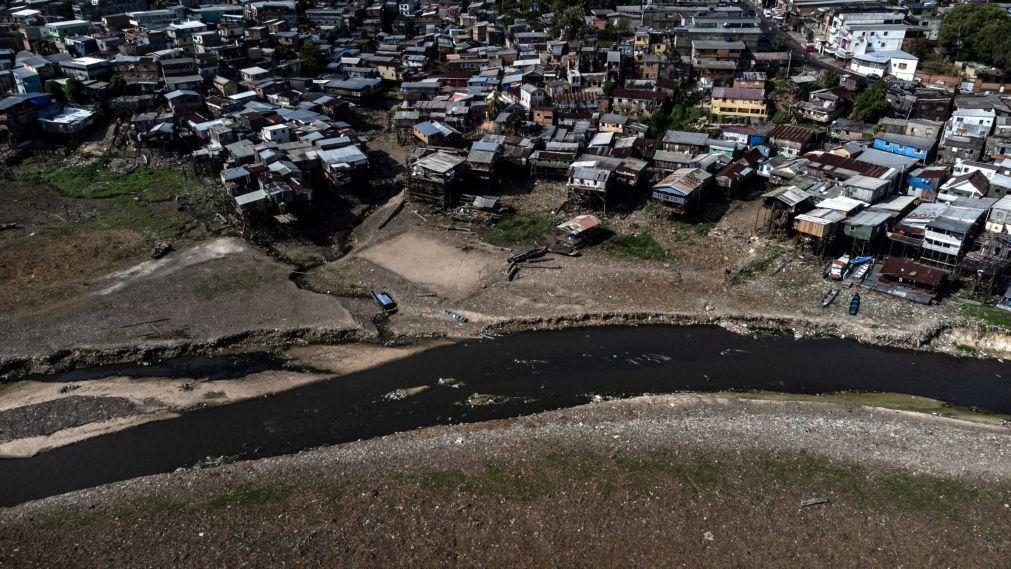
[265, 94]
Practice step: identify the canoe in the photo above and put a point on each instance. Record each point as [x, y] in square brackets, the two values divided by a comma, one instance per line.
[855, 304]
[456, 316]
[829, 297]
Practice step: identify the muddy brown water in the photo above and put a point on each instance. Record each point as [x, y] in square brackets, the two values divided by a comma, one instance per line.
[531, 372]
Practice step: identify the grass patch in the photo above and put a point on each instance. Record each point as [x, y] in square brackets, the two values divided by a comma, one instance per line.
[789, 285]
[97, 180]
[762, 263]
[519, 229]
[688, 233]
[219, 285]
[161, 202]
[335, 492]
[153, 507]
[251, 496]
[640, 246]
[990, 315]
[642, 473]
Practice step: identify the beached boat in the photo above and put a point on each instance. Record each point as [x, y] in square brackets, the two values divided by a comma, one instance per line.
[385, 301]
[456, 316]
[855, 304]
[531, 253]
[829, 297]
[839, 267]
[862, 270]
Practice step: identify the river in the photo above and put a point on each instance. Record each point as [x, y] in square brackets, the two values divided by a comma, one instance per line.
[531, 372]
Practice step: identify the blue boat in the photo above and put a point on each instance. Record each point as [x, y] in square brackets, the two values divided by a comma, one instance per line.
[385, 301]
[455, 316]
[855, 304]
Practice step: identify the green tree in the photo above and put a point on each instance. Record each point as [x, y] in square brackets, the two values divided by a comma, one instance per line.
[570, 23]
[682, 112]
[314, 61]
[871, 104]
[828, 79]
[494, 105]
[608, 87]
[283, 52]
[56, 91]
[977, 33]
[74, 90]
[66, 9]
[117, 85]
[404, 25]
[45, 46]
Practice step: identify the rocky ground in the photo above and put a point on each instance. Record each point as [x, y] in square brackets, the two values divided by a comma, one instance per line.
[665, 480]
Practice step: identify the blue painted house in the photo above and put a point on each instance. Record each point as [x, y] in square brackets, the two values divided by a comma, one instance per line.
[481, 85]
[918, 147]
[923, 183]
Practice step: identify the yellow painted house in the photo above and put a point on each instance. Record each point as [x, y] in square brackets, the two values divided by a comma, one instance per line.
[735, 104]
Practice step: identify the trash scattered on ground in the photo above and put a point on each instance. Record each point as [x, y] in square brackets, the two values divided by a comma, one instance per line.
[405, 392]
[485, 399]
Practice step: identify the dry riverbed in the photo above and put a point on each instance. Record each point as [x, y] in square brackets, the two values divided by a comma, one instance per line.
[665, 480]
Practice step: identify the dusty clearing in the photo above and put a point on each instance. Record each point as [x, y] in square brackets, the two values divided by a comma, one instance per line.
[433, 264]
[662, 481]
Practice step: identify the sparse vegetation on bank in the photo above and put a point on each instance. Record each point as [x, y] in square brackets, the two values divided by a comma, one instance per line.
[641, 246]
[519, 229]
[100, 180]
[762, 263]
[987, 314]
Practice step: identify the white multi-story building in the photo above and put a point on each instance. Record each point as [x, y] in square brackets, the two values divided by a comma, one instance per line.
[976, 123]
[872, 43]
[896, 63]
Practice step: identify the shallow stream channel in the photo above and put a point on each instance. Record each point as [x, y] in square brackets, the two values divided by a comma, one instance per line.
[481, 380]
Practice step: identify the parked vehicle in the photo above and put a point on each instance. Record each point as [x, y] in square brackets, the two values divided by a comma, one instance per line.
[385, 301]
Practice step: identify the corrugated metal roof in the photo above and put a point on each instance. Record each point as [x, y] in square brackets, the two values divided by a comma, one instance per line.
[869, 218]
